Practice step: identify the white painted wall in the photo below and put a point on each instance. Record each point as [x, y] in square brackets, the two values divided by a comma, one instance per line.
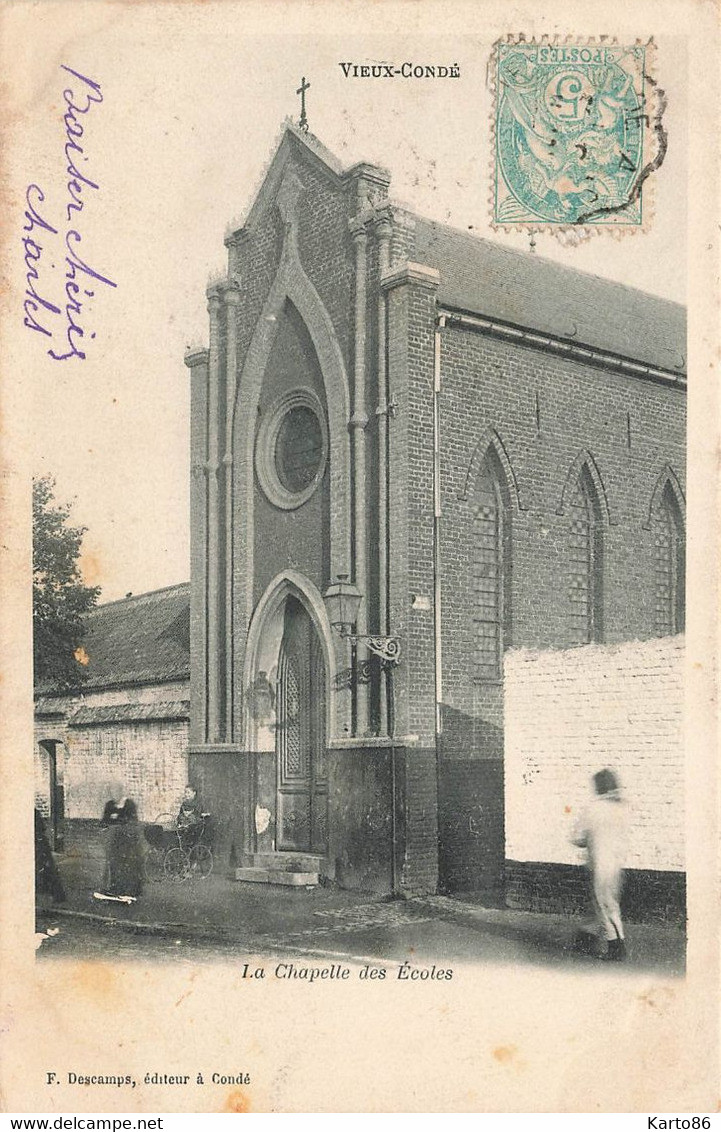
[569, 713]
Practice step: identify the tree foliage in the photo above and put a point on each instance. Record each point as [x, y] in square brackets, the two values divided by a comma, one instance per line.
[60, 597]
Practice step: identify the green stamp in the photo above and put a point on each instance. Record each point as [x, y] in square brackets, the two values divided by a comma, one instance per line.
[578, 130]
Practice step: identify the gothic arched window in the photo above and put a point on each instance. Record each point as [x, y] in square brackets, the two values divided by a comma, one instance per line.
[585, 561]
[670, 571]
[491, 607]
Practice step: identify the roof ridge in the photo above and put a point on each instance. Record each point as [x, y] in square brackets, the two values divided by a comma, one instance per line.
[137, 597]
[315, 145]
[535, 258]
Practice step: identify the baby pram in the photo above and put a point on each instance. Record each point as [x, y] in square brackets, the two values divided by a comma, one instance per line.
[177, 852]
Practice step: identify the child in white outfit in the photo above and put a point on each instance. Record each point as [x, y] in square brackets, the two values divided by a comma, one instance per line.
[603, 833]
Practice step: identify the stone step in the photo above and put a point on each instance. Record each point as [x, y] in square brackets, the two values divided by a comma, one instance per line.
[288, 862]
[257, 875]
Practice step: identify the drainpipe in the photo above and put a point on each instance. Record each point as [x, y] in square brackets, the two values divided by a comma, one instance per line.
[383, 235]
[394, 782]
[232, 302]
[358, 424]
[437, 651]
[212, 595]
[387, 687]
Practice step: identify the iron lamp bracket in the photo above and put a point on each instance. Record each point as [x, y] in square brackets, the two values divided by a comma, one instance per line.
[387, 648]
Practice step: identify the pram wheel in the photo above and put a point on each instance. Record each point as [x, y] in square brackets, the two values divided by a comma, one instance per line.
[154, 864]
[201, 861]
[177, 864]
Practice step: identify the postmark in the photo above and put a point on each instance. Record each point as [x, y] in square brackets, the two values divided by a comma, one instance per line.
[578, 132]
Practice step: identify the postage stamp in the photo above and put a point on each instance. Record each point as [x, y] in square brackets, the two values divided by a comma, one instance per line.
[578, 131]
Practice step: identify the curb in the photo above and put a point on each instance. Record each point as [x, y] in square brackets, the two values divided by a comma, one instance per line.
[145, 927]
[255, 946]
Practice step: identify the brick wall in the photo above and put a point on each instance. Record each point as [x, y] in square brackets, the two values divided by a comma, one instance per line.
[418, 797]
[360, 822]
[546, 410]
[647, 894]
[326, 251]
[470, 821]
[411, 327]
[146, 760]
[253, 261]
[411, 309]
[568, 713]
[149, 760]
[421, 660]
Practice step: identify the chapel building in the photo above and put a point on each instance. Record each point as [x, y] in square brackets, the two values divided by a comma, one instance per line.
[422, 465]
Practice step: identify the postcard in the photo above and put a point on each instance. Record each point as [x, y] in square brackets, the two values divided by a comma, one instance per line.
[359, 585]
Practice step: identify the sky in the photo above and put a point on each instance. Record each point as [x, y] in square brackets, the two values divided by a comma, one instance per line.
[193, 102]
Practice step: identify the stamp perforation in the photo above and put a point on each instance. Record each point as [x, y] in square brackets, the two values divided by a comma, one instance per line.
[576, 134]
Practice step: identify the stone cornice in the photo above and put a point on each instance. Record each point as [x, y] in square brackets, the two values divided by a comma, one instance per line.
[374, 173]
[217, 749]
[357, 229]
[383, 222]
[417, 274]
[198, 356]
[231, 294]
[371, 742]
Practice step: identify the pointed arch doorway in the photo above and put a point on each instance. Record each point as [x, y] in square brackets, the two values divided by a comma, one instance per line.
[300, 745]
[290, 714]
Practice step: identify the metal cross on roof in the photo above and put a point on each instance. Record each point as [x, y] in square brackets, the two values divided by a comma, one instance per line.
[304, 86]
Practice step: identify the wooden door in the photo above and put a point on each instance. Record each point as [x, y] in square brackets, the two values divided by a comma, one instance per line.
[301, 739]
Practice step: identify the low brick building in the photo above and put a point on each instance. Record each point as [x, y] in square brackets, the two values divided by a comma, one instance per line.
[486, 449]
[125, 731]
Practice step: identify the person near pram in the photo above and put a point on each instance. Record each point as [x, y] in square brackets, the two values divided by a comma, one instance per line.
[190, 818]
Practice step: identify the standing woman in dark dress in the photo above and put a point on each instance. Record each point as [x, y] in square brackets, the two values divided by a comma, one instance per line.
[124, 855]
